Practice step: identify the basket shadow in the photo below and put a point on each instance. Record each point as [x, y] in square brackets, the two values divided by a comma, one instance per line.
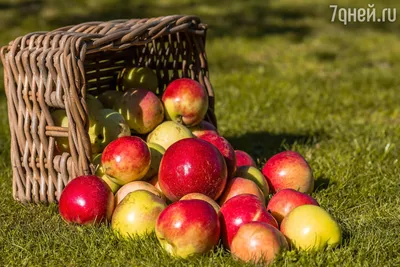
[263, 145]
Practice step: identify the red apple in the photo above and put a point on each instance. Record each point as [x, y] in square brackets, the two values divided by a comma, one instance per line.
[286, 200]
[86, 200]
[288, 169]
[142, 110]
[202, 197]
[258, 242]
[126, 159]
[203, 127]
[244, 159]
[192, 166]
[225, 148]
[238, 186]
[185, 101]
[239, 210]
[188, 227]
[134, 186]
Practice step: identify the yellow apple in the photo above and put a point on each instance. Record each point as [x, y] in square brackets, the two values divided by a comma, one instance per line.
[137, 213]
[168, 133]
[100, 173]
[135, 186]
[156, 152]
[139, 77]
[93, 103]
[310, 227]
[60, 119]
[105, 126]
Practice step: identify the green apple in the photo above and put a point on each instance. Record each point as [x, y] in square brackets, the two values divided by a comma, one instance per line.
[105, 126]
[254, 174]
[137, 213]
[156, 152]
[139, 77]
[60, 119]
[93, 103]
[310, 227]
[168, 133]
[100, 173]
[110, 97]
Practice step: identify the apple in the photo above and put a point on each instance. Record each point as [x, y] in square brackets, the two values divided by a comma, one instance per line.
[110, 97]
[225, 148]
[135, 186]
[137, 213]
[142, 110]
[154, 181]
[156, 152]
[93, 103]
[188, 227]
[258, 242]
[60, 119]
[244, 159]
[202, 128]
[100, 173]
[126, 159]
[242, 209]
[253, 174]
[139, 77]
[310, 227]
[286, 200]
[289, 169]
[86, 200]
[192, 166]
[106, 125]
[204, 198]
[185, 101]
[238, 186]
[168, 133]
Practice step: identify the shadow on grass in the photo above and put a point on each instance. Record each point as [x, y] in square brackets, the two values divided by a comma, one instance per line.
[321, 184]
[264, 144]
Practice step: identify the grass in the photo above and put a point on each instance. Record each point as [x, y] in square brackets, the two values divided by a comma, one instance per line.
[285, 77]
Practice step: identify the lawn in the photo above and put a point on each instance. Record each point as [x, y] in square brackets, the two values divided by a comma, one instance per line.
[285, 77]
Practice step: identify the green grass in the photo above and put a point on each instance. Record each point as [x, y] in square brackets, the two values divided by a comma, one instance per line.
[285, 77]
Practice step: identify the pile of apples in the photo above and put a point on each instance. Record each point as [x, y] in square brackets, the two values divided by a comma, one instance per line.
[163, 169]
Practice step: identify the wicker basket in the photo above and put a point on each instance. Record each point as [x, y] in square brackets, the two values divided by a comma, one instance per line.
[44, 71]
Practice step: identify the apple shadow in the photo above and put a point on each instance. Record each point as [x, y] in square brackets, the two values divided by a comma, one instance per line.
[322, 183]
[263, 145]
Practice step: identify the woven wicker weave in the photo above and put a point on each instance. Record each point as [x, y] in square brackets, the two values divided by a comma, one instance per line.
[48, 70]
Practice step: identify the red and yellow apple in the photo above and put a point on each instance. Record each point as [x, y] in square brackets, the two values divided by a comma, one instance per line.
[238, 186]
[289, 169]
[225, 148]
[126, 159]
[286, 200]
[100, 173]
[239, 210]
[203, 127]
[192, 165]
[244, 159]
[202, 197]
[142, 110]
[253, 174]
[188, 227]
[258, 242]
[185, 101]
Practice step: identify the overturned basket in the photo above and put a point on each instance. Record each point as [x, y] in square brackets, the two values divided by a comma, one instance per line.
[48, 70]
